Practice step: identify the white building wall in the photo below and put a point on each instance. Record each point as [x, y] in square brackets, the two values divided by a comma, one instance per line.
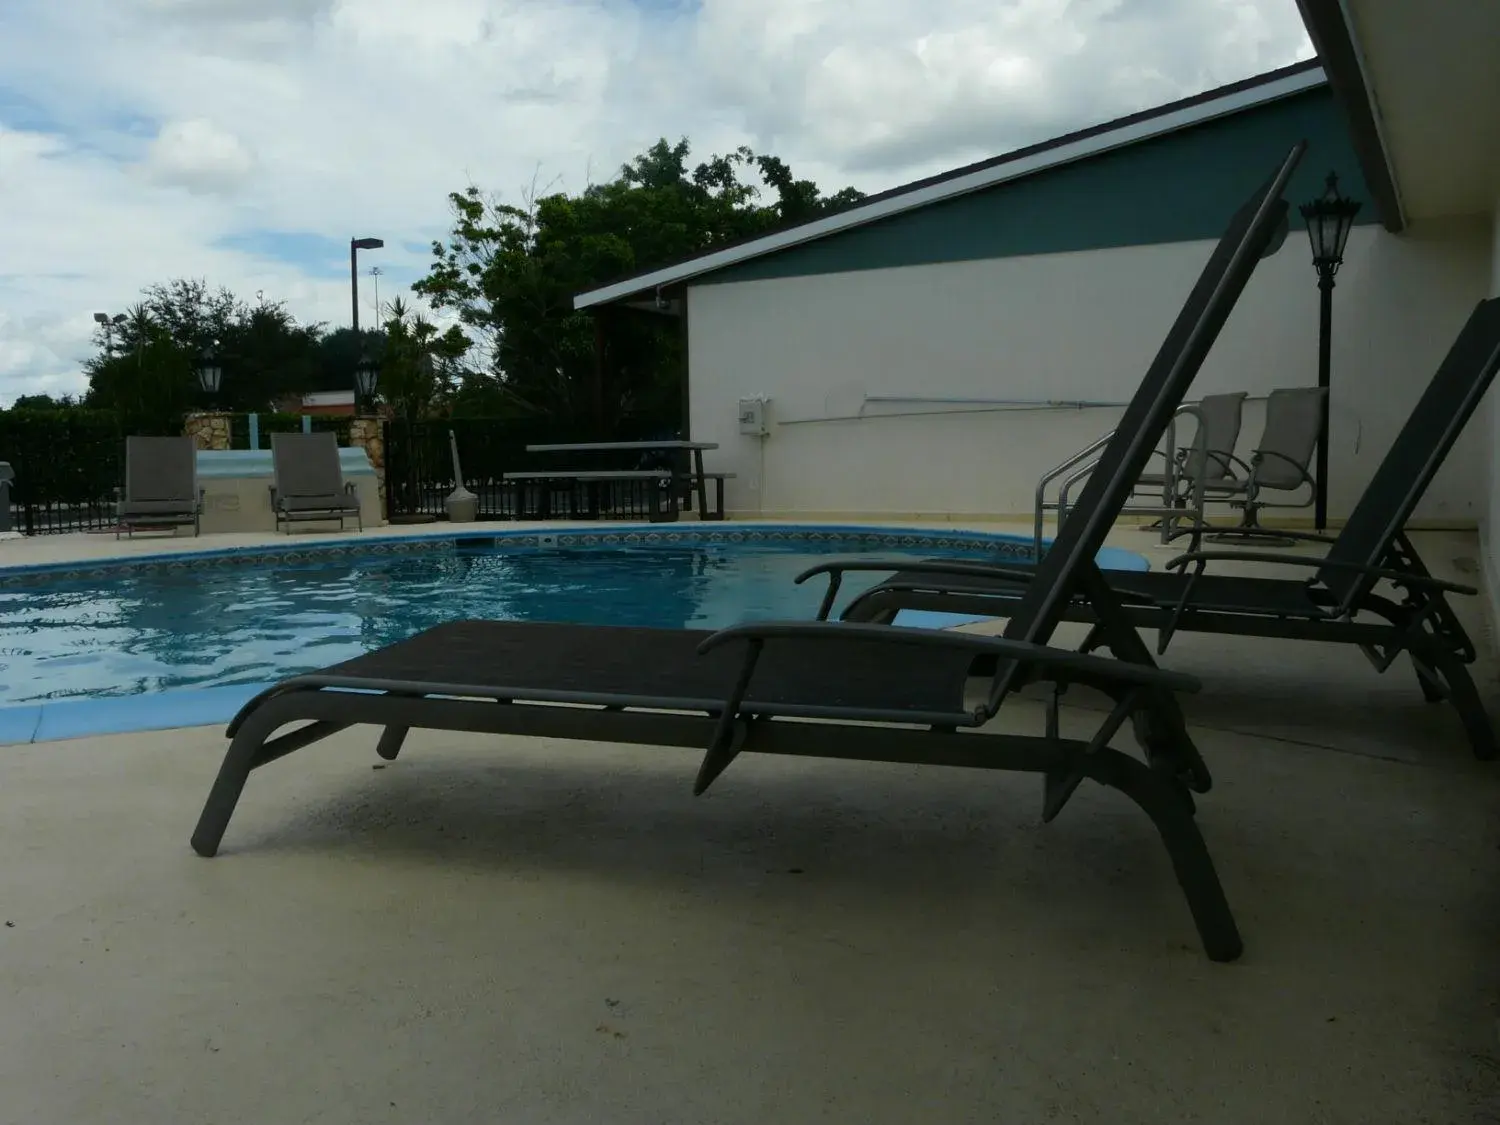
[1075, 326]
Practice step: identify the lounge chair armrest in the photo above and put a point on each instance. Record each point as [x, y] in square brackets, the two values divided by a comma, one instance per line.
[1274, 533]
[1402, 577]
[1265, 454]
[836, 568]
[919, 566]
[1096, 667]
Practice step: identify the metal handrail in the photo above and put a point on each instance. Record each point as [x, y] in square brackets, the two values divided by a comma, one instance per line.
[1055, 472]
[1082, 467]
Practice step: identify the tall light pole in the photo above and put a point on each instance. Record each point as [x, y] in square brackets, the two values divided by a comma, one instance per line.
[109, 324]
[1329, 219]
[355, 246]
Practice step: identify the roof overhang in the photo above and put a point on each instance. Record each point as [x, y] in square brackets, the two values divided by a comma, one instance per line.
[1025, 162]
[1421, 90]
[1328, 28]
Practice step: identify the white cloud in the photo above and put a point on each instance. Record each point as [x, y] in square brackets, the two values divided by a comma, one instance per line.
[199, 156]
[159, 130]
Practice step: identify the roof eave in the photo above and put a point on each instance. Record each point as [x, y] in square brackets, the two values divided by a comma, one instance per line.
[1328, 27]
[1132, 132]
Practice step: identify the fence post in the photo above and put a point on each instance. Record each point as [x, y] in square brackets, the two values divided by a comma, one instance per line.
[307, 423]
[365, 432]
[209, 430]
[254, 430]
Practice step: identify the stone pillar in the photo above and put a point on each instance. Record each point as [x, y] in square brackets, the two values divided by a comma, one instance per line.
[366, 432]
[209, 430]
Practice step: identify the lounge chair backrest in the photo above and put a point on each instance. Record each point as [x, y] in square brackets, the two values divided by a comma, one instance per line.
[306, 465]
[1417, 453]
[1252, 229]
[160, 468]
[1294, 418]
[1218, 432]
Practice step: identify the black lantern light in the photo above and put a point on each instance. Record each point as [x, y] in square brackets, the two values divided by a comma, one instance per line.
[210, 373]
[1329, 219]
[365, 375]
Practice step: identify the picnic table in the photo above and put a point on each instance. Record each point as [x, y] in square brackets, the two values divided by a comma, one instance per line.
[688, 452]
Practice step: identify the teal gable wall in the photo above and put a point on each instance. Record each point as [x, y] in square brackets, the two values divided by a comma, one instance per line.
[1175, 188]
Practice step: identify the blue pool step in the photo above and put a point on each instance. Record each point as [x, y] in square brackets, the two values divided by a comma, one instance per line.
[164, 710]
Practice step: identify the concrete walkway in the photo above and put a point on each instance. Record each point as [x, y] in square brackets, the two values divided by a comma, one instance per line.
[510, 930]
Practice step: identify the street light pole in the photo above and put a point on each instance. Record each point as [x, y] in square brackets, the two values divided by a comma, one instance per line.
[1329, 219]
[355, 246]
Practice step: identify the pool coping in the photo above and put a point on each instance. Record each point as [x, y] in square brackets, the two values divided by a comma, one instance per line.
[532, 537]
[57, 719]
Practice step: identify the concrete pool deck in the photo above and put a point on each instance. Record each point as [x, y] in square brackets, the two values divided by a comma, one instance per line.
[500, 929]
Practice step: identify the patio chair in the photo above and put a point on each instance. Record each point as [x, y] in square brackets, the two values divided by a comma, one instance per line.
[161, 485]
[1281, 461]
[308, 482]
[1196, 472]
[1339, 602]
[871, 692]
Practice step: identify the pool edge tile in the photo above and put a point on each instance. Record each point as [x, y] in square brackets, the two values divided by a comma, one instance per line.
[19, 723]
[131, 714]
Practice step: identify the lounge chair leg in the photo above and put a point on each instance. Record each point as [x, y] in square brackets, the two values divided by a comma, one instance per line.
[1158, 723]
[1093, 640]
[249, 750]
[1433, 688]
[391, 740]
[1162, 798]
[1469, 706]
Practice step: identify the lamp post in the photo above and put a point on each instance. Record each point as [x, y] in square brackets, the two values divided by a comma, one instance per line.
[355, 246]
[1329, 219]
[365, 375]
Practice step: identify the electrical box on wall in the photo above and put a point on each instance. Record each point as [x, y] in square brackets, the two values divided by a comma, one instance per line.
[753, 417]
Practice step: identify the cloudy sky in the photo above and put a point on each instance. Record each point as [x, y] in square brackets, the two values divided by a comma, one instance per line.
[245, 141]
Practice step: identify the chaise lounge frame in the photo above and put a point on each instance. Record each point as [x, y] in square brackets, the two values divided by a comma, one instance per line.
[821, 688]
[1339, 602]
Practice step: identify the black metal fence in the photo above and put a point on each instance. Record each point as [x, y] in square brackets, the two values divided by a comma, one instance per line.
[419, 462]
[68, 464]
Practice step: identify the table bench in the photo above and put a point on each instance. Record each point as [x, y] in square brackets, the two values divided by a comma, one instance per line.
[687, 472]
[662, 487]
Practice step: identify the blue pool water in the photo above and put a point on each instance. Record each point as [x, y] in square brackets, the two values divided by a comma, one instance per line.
[144, 630]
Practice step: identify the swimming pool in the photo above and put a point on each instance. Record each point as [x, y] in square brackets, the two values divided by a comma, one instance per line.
[245, 618]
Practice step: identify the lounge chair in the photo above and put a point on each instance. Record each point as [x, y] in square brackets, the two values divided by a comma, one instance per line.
[1336, 600]
[881, 693]
[308, 482]
[161, 485]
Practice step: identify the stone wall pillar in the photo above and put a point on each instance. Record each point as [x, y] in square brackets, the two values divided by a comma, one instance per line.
[208, 429]
[366, 432]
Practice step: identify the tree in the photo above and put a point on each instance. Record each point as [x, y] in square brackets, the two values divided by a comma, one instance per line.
[149, 361]
[417, 364]
[508, 274]
[43, 402]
